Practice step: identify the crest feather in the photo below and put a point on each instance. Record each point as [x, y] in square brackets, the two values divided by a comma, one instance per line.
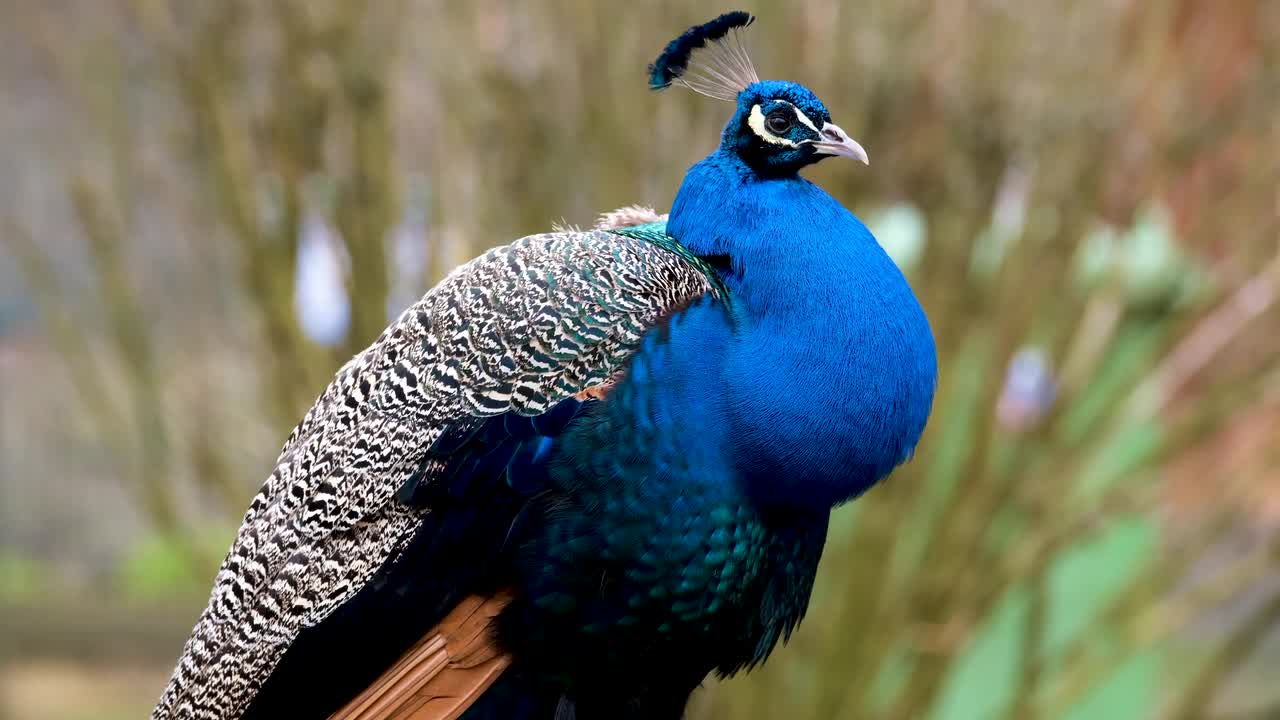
[721, 70]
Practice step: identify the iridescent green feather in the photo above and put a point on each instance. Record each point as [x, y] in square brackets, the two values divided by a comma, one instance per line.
[656, 233]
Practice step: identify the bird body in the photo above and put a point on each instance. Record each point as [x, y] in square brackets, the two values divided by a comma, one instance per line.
[634, 438]
[513, 333]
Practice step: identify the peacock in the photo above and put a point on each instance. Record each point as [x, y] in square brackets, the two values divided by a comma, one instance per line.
[590, 467]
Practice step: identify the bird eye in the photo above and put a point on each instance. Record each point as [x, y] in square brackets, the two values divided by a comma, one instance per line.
[779, 121]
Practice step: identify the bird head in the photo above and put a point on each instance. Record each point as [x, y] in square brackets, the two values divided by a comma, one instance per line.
[779, 126]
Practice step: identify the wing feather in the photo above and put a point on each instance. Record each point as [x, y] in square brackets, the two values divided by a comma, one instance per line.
[516, 330]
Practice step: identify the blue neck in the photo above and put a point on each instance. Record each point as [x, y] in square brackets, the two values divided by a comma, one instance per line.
[833, 349]
[781, 235]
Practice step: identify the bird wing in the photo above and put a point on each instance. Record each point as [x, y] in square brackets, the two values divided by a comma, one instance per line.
[514, 331]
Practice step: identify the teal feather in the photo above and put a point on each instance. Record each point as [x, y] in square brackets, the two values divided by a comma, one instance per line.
[656, 234]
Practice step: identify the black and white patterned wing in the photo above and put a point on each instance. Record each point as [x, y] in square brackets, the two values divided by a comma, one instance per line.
[515, 330]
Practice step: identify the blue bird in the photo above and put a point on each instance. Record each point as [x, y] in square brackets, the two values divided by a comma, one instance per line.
[588, 468]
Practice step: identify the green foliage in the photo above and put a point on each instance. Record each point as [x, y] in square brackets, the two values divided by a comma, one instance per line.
[22, 579]
[160, 568]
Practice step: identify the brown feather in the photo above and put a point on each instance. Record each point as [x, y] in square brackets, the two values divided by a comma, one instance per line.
[443, 673]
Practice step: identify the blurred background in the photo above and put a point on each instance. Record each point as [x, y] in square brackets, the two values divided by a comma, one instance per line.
[205, 207]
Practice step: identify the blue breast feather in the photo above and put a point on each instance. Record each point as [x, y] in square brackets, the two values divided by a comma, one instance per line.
[831, 376]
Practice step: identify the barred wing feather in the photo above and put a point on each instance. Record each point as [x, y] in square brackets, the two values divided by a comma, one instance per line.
[516, 330]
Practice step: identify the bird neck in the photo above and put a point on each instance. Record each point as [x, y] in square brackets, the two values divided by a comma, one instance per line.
[832, 348]
[787, 250]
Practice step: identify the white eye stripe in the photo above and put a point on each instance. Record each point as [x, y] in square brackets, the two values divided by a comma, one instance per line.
[804, 119]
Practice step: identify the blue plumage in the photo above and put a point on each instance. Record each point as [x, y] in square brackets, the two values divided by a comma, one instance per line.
[674, 59]
[841, 356]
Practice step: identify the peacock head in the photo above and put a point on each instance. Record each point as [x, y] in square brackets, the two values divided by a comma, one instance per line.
[778, 127]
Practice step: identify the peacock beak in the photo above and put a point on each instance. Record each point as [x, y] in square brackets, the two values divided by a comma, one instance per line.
[835, 141]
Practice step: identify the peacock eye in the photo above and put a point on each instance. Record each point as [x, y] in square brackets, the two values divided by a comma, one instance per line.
[779, 121]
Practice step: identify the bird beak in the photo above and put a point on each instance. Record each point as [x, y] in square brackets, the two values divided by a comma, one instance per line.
[835, 141]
